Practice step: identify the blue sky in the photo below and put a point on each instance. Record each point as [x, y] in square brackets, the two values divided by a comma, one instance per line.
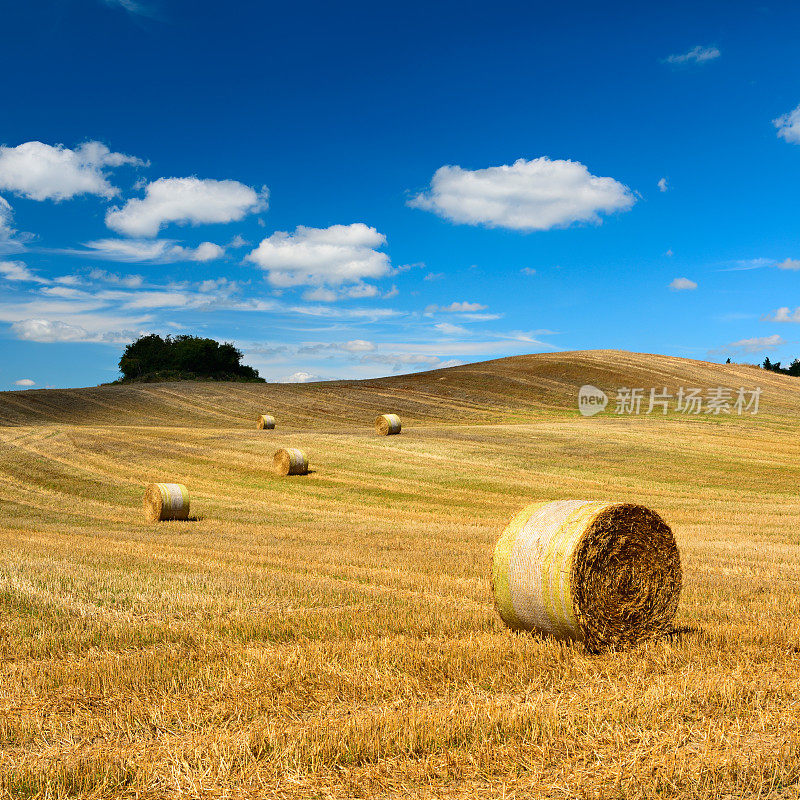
[362, 189]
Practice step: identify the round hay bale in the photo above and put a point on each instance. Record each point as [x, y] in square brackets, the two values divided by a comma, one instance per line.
[387, 424]
[290, 461]
[266, 422]
[607, 574]
[164, 501]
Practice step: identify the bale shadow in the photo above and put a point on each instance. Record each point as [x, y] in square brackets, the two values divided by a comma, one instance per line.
[678, 633]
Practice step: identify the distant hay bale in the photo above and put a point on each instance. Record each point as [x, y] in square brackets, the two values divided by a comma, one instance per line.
[266, 422]
[290, 461]
[387, 424]
[607, 574]
[164, 501]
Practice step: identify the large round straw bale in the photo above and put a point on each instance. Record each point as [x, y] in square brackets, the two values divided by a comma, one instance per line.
[166, 501]
[290, 461]
[607, 574]
[266, 422]
[387, 424]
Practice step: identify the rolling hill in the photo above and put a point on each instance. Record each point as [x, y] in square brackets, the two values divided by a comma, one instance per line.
[334, 634]
[501, 390]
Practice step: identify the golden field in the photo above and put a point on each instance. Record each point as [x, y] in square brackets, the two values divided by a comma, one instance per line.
[333, 635]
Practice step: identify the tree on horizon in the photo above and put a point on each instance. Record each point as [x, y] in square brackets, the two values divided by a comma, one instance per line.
[153, 358]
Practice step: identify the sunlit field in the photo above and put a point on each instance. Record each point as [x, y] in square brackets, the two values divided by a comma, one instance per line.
[334, 635]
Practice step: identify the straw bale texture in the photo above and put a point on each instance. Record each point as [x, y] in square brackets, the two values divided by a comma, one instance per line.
[607, 574]
[290, 461]
[266, 422]
[387, 424]
[164, 501]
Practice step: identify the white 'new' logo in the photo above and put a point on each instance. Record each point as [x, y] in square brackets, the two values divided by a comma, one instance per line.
[591, 400]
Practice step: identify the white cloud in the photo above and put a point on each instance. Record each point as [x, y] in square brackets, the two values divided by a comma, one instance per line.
[6, 215]
[456, 308]
[325, 294]
[528, 195]
[785, 314]
[434, 276]
[326, 348]
[790, 263]
[301, 377]
[68, 280]
[322, 295]
[128, 281]
[17, 271]
[158, 251]
[528, 271]
[322, 256]
[131, 6]
[757, 344]
[663, 185]
[49, 331]
[788, 126]
[448, 329]
[25, 382]
[42, 172]
[682, 285]
[697, 55]
[185, 201]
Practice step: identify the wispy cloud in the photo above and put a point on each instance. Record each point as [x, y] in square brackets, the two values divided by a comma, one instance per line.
[154, 251]
[788, 126]
[17, 271]
[785, 314]
[757, 344]
[132, 7]
[697, 55]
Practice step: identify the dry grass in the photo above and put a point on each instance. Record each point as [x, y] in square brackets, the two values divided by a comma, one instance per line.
[335, 636]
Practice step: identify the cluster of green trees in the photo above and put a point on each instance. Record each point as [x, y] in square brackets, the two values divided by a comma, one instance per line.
[153, 358]
[792, 369]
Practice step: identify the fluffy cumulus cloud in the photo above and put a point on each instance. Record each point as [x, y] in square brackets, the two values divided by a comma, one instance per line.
[789, 263]
[301, 377]
[528, 195]
[663, 185]
[160, 251]
[17, 271]
[185, 201]
[697, 55]
[789, 126]
[25, 382]
[341, 254]
[682, 285]
[44, 172]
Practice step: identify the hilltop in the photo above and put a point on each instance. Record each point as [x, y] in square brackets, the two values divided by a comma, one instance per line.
[500, 390]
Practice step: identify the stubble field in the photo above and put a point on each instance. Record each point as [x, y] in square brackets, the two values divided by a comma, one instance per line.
[333, 635]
